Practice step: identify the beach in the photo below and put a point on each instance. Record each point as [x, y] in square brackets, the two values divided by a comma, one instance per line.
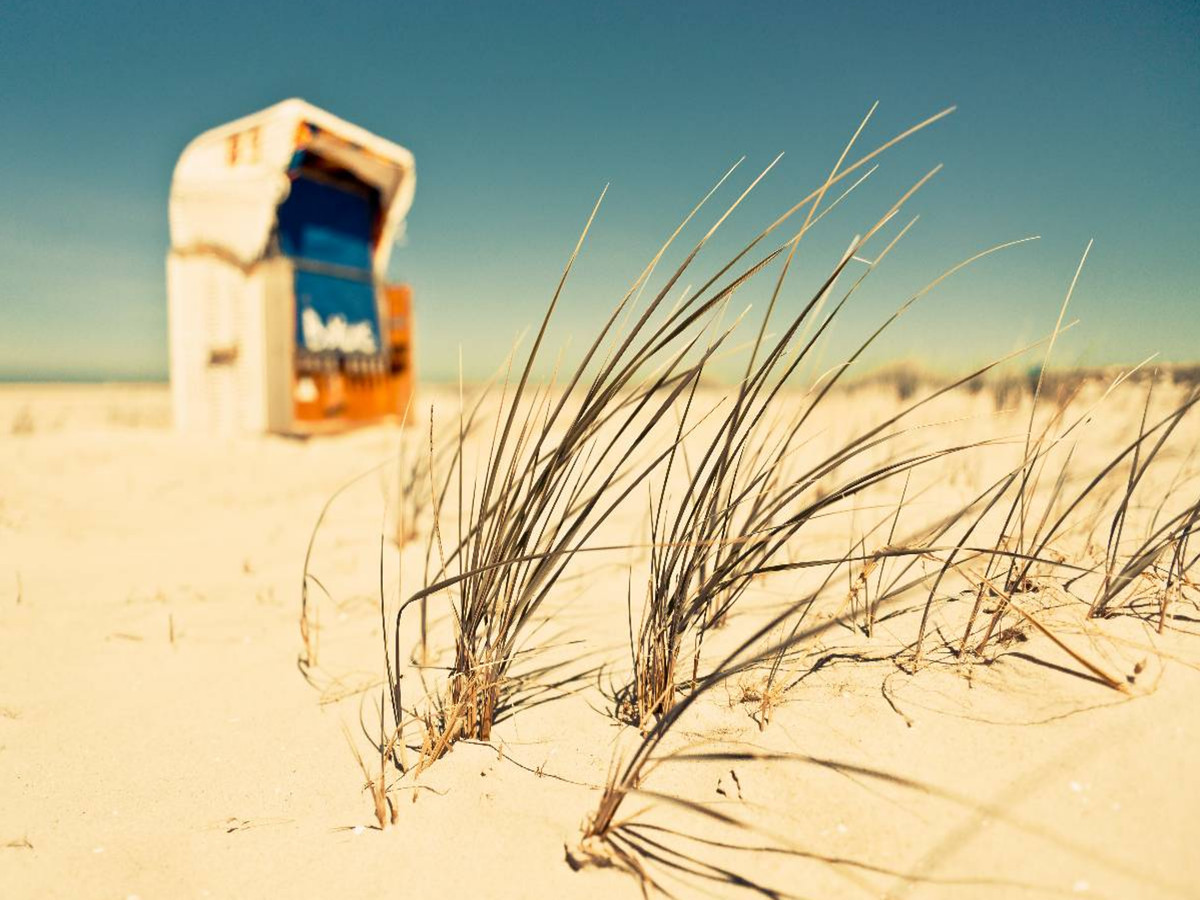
[158, 738]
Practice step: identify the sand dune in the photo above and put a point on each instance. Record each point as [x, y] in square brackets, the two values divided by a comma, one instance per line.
[158, 740]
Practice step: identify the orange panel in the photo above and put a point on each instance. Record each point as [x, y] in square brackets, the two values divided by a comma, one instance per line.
[354, 395]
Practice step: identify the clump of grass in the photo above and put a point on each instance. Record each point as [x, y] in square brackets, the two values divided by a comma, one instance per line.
[738, 512]
[547, 486]
[554, 474]
[1020, 574]
[726, 494]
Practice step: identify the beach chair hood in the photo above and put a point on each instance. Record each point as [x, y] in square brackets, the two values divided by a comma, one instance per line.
[230, 182]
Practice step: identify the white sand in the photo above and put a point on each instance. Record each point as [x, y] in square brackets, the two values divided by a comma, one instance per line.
[206, 766]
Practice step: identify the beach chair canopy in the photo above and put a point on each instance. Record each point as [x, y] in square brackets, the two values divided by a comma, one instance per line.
[292, 180]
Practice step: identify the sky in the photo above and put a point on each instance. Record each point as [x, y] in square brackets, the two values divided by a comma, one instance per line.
[1075, 121]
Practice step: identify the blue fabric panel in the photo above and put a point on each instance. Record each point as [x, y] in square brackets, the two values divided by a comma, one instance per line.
[323, 223]
[333, 299]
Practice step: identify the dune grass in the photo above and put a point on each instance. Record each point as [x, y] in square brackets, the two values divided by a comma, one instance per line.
[556, 470]
[732, 488]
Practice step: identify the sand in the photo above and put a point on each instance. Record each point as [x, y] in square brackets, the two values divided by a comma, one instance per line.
[158, 740]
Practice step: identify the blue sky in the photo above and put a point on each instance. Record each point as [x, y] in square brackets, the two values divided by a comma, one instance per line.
[1076, 120]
